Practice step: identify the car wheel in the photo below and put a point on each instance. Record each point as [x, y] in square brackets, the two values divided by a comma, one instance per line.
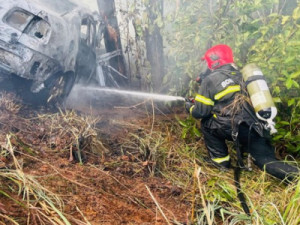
[59, 87]
[56, 90]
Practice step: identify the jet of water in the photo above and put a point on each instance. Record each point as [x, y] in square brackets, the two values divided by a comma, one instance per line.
[136, 94]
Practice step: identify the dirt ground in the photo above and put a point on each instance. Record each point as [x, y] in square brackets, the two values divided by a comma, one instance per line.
[113, 187]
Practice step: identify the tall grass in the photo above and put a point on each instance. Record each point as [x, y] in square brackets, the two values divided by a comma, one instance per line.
[212, 194]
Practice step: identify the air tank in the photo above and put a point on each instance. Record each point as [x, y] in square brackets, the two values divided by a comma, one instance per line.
[260, 95]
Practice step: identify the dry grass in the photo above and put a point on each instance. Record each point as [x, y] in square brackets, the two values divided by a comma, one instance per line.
[67, 131]
[156, 146]
[10, 103]
[42, 206]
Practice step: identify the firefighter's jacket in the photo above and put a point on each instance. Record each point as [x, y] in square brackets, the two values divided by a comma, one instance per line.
[216, 102]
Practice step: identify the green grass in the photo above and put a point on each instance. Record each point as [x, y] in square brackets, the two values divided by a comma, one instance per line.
[212, 193]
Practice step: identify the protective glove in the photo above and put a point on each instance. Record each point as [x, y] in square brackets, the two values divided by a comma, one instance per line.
[189, 103]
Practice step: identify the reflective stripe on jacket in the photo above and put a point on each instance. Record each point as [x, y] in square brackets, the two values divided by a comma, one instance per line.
[217, 91]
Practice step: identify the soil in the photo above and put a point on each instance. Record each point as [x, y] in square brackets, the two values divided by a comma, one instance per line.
[111, 186]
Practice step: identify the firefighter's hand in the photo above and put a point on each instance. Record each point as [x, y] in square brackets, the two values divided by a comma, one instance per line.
[188, 105]
[190, 99]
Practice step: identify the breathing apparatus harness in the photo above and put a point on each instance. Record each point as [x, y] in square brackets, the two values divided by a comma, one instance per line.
[235, 132]
[263, 114]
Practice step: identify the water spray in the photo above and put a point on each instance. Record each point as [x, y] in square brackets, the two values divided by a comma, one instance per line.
[136, 94]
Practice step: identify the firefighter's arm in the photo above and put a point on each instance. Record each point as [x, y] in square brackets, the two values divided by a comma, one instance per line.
[203, 101]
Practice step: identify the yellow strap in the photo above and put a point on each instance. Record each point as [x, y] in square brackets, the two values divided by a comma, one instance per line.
[220, 160]
[204, 100]
[228, 90]
[191, 109]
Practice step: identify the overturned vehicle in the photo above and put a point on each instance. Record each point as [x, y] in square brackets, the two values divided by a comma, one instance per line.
[47, 46]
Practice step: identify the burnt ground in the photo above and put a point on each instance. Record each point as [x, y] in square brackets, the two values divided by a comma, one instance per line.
[107, 184]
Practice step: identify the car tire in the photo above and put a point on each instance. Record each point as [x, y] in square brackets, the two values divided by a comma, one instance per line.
[58, 88]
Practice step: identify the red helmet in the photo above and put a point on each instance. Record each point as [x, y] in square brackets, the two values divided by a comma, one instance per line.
[217, 56]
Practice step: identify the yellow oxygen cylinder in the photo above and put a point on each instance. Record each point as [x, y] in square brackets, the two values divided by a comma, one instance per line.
[260, 95]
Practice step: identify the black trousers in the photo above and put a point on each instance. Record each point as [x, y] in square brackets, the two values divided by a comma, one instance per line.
[259, 147]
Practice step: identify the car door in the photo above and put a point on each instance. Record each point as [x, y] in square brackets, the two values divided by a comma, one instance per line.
[86, 57]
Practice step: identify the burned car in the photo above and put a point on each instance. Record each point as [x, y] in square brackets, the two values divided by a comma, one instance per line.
[46, 46]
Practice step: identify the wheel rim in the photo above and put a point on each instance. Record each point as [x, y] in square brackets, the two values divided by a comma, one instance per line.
[61, 87]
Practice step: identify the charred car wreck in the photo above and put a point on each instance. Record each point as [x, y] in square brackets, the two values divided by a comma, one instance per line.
[47, 46]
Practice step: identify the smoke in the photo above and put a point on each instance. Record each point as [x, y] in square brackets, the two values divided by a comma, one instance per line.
[85, 97]
[90, 4]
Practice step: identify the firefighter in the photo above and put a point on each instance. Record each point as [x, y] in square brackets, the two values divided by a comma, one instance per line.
[225, 113]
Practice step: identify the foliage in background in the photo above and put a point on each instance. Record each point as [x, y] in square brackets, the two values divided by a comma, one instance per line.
[264, 32]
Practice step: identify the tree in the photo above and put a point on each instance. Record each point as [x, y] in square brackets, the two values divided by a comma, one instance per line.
[154, 42]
